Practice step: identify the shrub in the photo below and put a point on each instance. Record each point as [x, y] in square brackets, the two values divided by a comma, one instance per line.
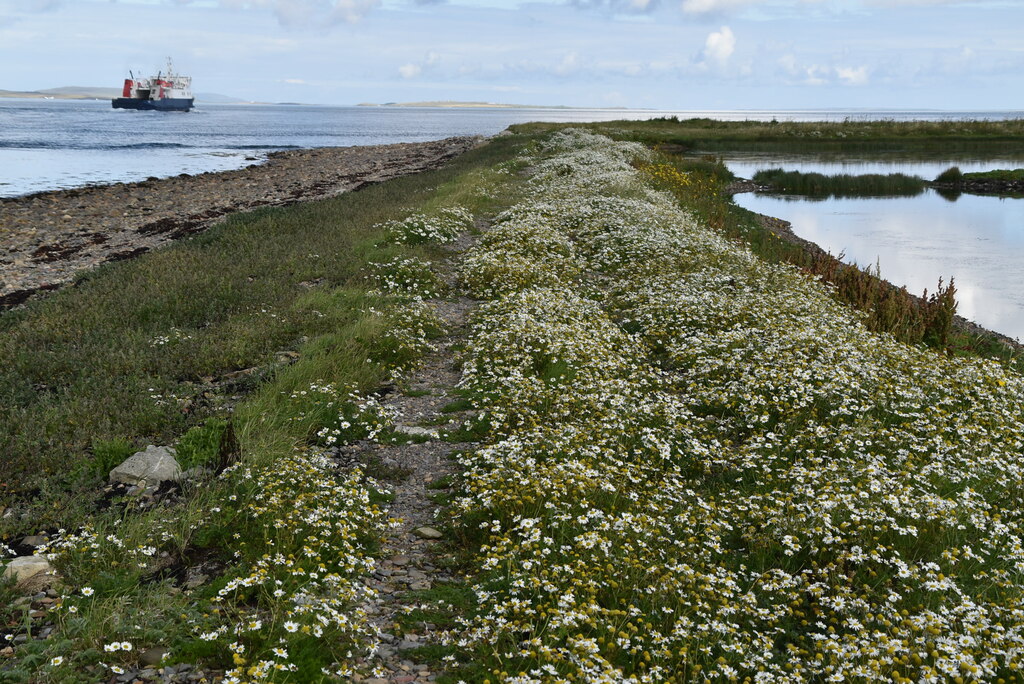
[950, 175]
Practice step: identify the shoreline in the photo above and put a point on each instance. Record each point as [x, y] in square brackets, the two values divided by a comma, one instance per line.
[51, 237]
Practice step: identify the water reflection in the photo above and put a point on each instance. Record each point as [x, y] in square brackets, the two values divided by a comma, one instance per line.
[977, 240]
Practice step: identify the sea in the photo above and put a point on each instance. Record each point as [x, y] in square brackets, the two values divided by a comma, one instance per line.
[59, 144]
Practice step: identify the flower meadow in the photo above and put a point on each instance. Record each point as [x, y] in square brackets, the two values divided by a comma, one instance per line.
[287, 604]
[701, 466]
[441, 227]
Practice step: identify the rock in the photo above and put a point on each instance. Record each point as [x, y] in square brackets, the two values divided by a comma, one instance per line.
[416, 431]
[405, 645]
[195, 474]
[35, 541]
[153, 656]
[427, 533]
[400, 560]
[30, 573]
[149, 467]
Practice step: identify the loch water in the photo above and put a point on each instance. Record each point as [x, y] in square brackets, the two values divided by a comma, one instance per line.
[977, 240]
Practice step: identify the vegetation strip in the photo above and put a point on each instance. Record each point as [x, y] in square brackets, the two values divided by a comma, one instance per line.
[702, 466]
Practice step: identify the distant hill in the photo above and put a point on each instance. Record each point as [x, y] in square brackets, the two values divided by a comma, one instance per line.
[98, 93]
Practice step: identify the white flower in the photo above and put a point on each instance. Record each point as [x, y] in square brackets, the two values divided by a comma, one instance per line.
[290, 626]
[54, 662]
[88, 591]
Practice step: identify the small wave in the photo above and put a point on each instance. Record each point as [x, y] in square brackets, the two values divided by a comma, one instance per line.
[72, 145]
[50, 145]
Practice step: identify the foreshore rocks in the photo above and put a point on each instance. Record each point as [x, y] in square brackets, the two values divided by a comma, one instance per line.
[47, 238]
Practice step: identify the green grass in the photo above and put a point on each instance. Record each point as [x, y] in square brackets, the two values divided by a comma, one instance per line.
[139, 352]
[819, 185]
[149, 351]
[882, 137]
[1009, 175]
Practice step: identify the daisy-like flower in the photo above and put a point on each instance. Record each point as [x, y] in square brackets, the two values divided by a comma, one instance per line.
[54, 662]
[290, 626]
[280, 652]
[88, 591]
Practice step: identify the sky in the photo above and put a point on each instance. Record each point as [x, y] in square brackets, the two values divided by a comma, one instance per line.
[686, 55]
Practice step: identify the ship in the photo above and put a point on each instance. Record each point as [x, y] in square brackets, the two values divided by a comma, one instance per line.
[165, 92]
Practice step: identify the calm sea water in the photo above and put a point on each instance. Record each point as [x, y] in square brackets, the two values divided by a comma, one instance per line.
[977, 240]
[54, 144]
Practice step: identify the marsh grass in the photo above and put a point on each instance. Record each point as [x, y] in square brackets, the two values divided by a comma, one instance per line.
[819, 185]
[1010, 175]
[888, 137]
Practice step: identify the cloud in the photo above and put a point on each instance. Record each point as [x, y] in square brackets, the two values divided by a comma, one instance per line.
[410, 70]
[618, 6]
[720, 45]
[569, 64]
[713, 6]
[414, 69]
[851, 76]
[306, 13]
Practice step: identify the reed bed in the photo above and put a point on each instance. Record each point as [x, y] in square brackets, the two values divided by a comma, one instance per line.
[819, 185]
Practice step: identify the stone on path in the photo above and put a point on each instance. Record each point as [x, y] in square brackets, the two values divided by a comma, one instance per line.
[427, 533]
[152, 466]
[416, 431]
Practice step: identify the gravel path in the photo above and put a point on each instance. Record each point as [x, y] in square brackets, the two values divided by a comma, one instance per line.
[46, 238]
[409, 560]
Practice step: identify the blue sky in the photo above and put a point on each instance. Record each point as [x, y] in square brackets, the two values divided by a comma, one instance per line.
[662, 54]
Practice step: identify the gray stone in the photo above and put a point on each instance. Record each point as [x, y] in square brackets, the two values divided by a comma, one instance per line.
[195, 474]
[415, 431]
[35, 541]
[427, 533]
[152, 656]
[149, 467]
[30, 572]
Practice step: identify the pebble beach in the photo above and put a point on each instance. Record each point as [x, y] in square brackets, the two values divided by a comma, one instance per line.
[48, 238]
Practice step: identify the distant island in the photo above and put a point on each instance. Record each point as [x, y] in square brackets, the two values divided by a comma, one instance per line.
[473, 105]
[98, 93]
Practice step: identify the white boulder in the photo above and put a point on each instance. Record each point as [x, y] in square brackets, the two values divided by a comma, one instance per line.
[148, 468]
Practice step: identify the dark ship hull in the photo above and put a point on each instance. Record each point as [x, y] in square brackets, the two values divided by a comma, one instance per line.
[167, 104]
